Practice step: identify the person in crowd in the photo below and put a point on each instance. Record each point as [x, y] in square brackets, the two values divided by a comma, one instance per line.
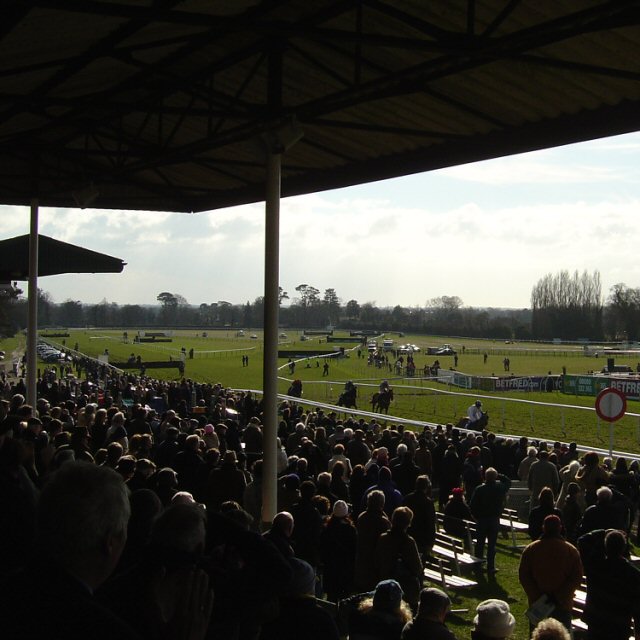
[613, 586]
[605, 513]
[591, 476]
[308, 525]
[542, 473]
[78, 498]
[371, 524]
[280, 533]
[429, 622]
[572, 512]
[393, 498]
[338, 552]
[550, 629]
[339, 486]
[380, 615]
[551, 566]
[423, 525]
[567, 476]
[397, 555]
[449, 473]
[472, 471]
[456, 512]
[493, 621]
[486, 506]
[404, 471]
[148, 595]
[538, 514]
[298, 612]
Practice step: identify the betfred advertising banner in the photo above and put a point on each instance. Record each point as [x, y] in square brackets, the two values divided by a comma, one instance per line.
[527, 383]
[593, 385]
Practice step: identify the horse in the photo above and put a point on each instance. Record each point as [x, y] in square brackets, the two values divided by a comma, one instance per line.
[380, 401]
[295, 389]
[478, 425]
[347, 398]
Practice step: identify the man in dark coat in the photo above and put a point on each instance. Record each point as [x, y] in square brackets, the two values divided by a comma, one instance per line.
[613, 586]
[486, 506]
[423, 525]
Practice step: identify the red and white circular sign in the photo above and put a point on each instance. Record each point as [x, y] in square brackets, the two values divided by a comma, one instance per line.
[611, 404]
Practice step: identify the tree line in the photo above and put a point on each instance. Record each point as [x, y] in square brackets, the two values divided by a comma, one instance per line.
[563, 305]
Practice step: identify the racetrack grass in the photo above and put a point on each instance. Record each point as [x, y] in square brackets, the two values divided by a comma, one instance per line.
[218, 358]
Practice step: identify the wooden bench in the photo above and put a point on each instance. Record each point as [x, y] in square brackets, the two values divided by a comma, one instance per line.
[452, 549]
[509, 522]
[439, 572]
[469, 528]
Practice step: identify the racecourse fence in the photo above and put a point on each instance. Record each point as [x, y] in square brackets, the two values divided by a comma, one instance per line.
[450, 406]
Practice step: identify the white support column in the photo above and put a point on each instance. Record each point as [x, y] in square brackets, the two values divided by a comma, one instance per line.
[271, 309]
[32, 320]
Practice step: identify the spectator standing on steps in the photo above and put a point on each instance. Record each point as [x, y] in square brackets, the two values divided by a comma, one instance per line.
[486, 506]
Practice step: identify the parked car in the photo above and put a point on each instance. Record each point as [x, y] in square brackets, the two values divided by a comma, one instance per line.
[443, 350]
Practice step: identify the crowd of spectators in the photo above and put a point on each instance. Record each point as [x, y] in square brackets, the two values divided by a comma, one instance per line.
[140, 499]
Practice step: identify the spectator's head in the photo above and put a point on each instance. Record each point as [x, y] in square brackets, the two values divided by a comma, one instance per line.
[322, 504]
[401, 450]
[338, 450]
[545, 498]
[192, 443]
[532, 452]
[291, 482]
[324, 479]
[307, 490]
[423, 484]
[375, 500]
[573, 489]
[401, 518]
[490, 475]
[340, 509]
[114, 453]
[621, 465]
[493, 620]
[604, 495]
[384, 475]
[303, 579]
[82, 520]
[591, 459]
[550, 629]
[338, 470]
[387, 596]
[552, 526]
[283, 523]
[178, 534]
[434, 604]
[615, 544]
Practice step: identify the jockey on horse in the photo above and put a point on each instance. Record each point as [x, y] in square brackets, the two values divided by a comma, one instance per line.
[348, 396]
[476, 419]
[382, 399]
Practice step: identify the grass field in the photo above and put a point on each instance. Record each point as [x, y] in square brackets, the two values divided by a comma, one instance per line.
[218, 358]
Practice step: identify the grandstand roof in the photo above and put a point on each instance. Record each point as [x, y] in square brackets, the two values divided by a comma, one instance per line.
[139, 104]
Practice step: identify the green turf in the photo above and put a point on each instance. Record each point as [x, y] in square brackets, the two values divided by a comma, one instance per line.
[218, 358]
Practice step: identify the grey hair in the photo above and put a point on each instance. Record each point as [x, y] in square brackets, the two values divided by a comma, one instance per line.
[180, 527]
[375, 500]
[79, 507]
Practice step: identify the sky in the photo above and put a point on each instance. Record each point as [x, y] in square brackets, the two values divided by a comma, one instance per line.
[485, 232]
